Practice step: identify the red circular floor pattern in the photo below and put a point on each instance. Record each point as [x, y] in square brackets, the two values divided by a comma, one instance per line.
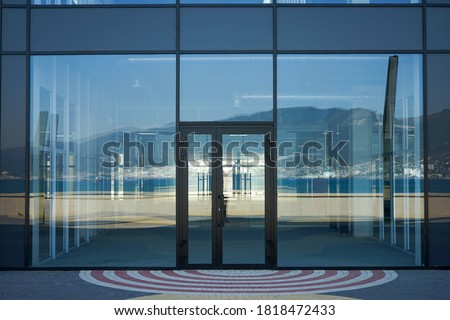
[236, 282]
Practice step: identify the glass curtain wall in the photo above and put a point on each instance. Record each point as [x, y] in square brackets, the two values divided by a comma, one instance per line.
[109, 2]
[350, 185]
[102, 173]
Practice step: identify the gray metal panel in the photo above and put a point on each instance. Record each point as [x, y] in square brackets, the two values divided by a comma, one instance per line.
[349, 28]
[90, 29]
[12, 161]
[438, 28]
[14, 31]
[438, 97]
[226, 29]
[14, 1]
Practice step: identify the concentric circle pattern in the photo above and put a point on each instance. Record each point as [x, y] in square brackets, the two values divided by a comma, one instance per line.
[239, 282]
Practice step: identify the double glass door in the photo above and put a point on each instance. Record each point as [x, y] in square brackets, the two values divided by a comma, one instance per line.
[226, 197]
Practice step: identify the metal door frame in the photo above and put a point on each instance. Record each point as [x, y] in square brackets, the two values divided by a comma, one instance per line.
[217, 130]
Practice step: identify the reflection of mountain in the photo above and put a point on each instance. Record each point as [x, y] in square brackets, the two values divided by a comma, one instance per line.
[259, 116]
[439, 135]
[311, 118]
[356, 124]
[296, 116]
[359, 126]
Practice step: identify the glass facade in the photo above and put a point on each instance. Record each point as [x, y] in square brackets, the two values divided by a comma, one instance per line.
[109, 2]
[244, 134]
[331, 139]
[102, 162]
[141, 29]
[13, 161]
[438, 158]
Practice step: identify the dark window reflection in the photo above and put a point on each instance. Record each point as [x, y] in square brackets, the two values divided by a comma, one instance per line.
[231, 28]
[438, 26]
[12, 161]
[358, 28]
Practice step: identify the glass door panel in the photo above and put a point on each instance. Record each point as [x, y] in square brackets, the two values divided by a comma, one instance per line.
[199, 199]
[243, 172]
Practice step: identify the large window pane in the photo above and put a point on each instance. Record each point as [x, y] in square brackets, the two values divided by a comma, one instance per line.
[439, 158]
[102, 188]
[337, 205]
[226, 88]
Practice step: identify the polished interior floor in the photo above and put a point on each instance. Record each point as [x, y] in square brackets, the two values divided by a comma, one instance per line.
[298, 246]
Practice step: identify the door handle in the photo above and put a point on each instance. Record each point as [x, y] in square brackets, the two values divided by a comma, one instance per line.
[221, 210]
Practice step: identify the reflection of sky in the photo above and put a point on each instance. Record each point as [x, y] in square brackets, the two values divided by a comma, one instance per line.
[343, 81]
[331, 81]
[217, 87]
[138, 92]
[110, 91]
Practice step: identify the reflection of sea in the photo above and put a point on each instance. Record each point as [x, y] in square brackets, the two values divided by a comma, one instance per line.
[302, 185]
[12, 186]
[439, 185]
[289, 185]
[346, 185]
[104, 185]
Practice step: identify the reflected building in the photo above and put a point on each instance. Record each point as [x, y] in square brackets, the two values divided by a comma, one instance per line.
[256, 137]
